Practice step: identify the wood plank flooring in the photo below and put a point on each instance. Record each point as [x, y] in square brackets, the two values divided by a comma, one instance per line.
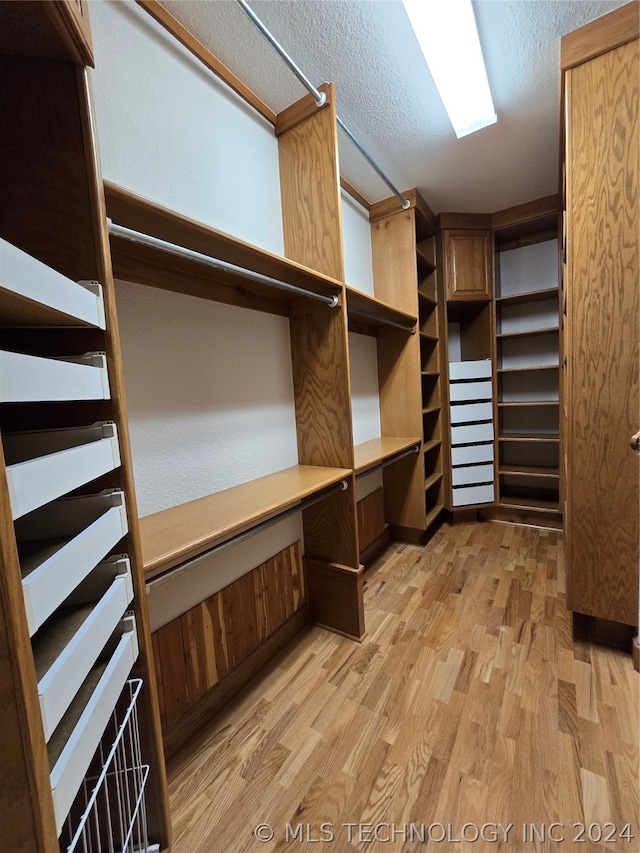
[468, 705]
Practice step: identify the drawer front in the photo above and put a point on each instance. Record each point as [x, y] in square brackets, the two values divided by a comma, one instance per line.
[471, 454]
[73, 761]
[35, 482]
[459, 392]
[471, 474]
[473, 434]
[465, 413]
[470, 369]
[28, 378]
[63, 678]
[54, 578]
[468, 495]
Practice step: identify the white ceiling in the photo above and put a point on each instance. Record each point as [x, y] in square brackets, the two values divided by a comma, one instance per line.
[388, 100]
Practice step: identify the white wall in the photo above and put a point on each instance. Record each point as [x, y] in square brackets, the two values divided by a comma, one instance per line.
[209, 391]
[356, 238]
[169, 130]
[365, 400]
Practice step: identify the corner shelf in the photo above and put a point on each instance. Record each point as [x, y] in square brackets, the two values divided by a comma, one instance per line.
[174, 535]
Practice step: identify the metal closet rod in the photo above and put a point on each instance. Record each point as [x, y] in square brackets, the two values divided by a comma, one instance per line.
[319, 97]
[215, 263]
[406, 327]
[341, 486]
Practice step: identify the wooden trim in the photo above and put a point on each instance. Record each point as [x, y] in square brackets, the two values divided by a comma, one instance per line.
[600, 36]
[413, 535]
[353, 192]
[175, 28]
[70, 21]
[303, 109]
[636, 654]
[546, 521]
[199, 715]
[466, 221]
[547, 206]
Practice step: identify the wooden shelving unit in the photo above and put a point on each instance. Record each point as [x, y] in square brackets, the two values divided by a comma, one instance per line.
[527, 351]
[74, 626]
[405, 273]
[379, 451]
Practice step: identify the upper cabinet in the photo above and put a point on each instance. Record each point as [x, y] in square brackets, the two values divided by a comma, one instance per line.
[468, 264]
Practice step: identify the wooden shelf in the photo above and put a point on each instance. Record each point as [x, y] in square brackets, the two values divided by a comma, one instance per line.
[431, 480]
[174, 535]
[433, 514]
[425, 297]
[525, 436]
[429, 410]
[371, 454]
[157, 268]
[534, 504]
[529, 333]
[530, 404]
[431, 445]
[427, 337]
[531, 296]
[373, 314]
[533, 367]
[531, 471]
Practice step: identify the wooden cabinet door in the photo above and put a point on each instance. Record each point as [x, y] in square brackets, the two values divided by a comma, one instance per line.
[603, 311]
[468, 257]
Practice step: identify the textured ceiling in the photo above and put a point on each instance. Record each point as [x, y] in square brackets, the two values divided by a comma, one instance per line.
[388, 100]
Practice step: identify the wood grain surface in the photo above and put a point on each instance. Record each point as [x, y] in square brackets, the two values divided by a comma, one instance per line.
[603, 334]
[468, 701]
[597, 37]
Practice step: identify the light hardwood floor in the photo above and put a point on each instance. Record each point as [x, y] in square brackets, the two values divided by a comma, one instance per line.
[468, 703]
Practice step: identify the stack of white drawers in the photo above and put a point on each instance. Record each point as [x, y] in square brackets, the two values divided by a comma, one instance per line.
[471, 418]
[76, 592]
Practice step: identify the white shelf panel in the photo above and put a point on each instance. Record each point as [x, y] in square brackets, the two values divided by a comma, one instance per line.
[66, 650]
[469, 495]
[32, 379]
[471, 434]
[470, 370]
[471, 474]
[33, 285]
[44, 465]
[64, 542]
[472, 454]
[86, 719]
[464, 413]
[460, 392]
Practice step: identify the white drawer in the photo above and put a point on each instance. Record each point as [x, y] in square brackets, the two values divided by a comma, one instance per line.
[472, 434]
[471, 454]
[86, 720]
[470, 369]
[44, 465]
[24, 276]
[470, 474]
[461, 391]
[464, 413]
[61, 543]
[468, 495]
[67, 648]
[29, 378]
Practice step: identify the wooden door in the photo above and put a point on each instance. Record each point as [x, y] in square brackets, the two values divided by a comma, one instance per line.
[468, 258]
[603, 332]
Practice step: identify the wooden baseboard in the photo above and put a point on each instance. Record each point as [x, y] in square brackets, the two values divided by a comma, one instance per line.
[595, 630]
[462, 516]
[407, 534]
[636, 653]
[368, 554]
[199, 715]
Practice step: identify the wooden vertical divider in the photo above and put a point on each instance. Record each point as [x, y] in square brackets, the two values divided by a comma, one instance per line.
[312, 223]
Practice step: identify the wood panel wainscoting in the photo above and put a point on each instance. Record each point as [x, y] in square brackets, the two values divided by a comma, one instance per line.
[213, 649]
[373, 533]
[468, 701]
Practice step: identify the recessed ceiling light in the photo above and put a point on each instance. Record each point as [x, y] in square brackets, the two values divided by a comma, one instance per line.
[447, 34]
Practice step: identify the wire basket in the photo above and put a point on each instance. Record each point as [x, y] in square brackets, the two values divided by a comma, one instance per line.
[109, 812]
